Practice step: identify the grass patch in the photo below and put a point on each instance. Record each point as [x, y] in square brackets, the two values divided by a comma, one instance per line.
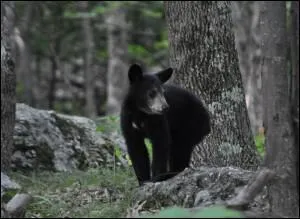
[93, 193]
[208, 212]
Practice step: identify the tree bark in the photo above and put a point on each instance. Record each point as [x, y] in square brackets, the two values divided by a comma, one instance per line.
[90, 110]
[245, 16]
[8, 82]
[295, 78]
[280, 152]
[203, 55]
[117, 82]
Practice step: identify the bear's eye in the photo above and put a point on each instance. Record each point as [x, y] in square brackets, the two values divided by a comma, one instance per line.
[152, 93]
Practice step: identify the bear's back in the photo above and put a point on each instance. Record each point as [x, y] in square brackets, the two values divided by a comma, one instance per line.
[187, 113]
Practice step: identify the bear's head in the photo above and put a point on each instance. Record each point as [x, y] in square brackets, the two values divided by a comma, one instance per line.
[146, 90]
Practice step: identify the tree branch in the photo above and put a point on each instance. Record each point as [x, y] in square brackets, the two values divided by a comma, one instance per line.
[250, 191]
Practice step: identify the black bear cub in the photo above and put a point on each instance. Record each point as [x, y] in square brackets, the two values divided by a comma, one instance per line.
[173, 119]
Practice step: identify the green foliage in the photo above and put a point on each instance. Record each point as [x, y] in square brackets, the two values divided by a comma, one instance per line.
[67, 107]
[149, 147]
[128, 160]
[151, 13]
[19, 89]
[260, 143]
[98, 192]
[138, 50]
[163, 44]
[70, 14]
[99, 9]
[102, 54]
[148, 36]
[9, 194]
[209, 212]
[108, 124]
[118, 152]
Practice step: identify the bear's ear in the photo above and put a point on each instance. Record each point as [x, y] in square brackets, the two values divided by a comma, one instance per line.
[165, 75]
[135, 73]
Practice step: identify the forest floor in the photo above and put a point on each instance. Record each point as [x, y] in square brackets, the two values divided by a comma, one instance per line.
[95, 193]
[78, 194]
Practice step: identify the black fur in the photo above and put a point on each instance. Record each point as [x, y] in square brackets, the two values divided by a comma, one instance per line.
[173, 133]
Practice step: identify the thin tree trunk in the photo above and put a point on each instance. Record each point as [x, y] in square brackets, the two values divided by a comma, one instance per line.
[55, 70]
[24, 71]
[245, 16]
[90, 109]
[8, 82]
[295, 78]
[280, 152]
[40, 90]
[205, 61]
[117, 63]
[52, 84]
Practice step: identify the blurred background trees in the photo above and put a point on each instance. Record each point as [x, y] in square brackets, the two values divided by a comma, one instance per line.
[73, 56]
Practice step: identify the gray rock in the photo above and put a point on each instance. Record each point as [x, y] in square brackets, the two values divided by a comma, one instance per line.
[49, 140]
[7, 184]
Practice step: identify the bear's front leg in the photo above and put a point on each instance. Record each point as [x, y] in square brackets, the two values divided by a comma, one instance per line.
[136, 149]
[139, 157]
[160, 138]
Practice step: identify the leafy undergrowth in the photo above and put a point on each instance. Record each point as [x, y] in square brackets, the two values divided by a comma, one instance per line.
[93, 193]
[208, 212]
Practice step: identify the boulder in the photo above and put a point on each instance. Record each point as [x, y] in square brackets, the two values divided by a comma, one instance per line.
[7, 184]
[48, 140]
[13, 204]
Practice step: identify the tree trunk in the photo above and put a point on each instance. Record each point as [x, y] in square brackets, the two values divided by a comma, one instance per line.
[52, 83]
[280, 151]
[8, 83]
[117, 81]
[41, 91]
[295, 79]
[24, 71]
[205, 61]
[90, 110]
[245, 15]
